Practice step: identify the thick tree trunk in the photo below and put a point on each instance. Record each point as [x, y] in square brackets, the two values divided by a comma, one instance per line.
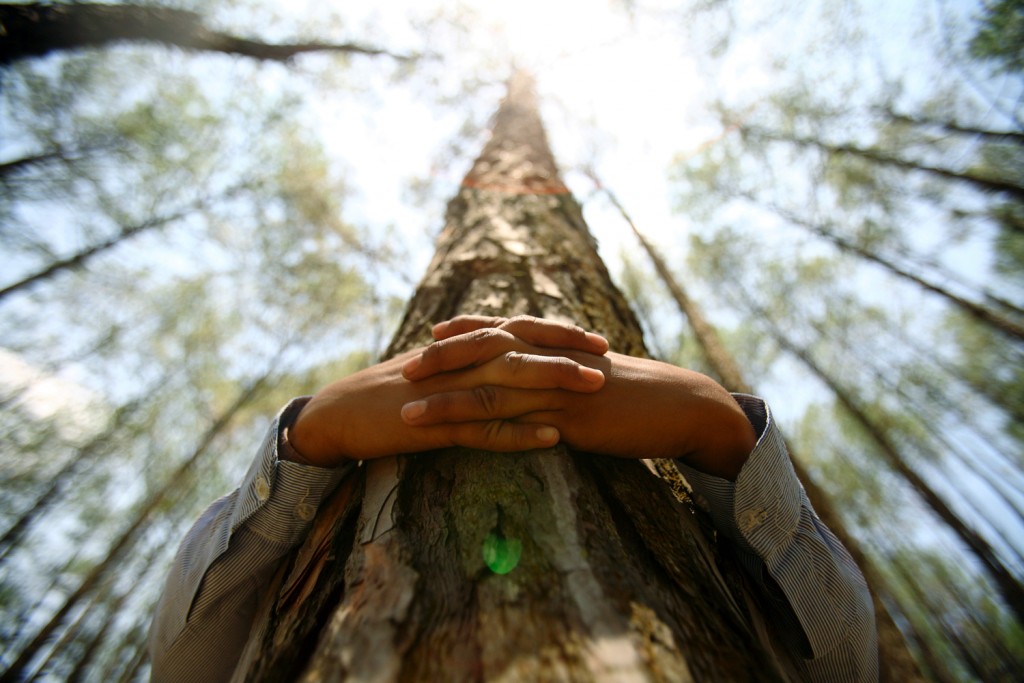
[894, 659]
[553, 565]
[37, 29]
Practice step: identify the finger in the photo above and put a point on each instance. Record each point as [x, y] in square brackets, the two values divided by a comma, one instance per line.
[463, 351]
[500, 435]
[464, 323]
[536, 331]
[553, 334]
[478, 404]
[535, 371]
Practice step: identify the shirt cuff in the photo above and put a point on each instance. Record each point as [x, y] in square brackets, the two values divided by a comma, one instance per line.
[279, 498]
[761, 509]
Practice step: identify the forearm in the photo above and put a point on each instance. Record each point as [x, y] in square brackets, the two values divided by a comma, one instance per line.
[227, 560]
[766, 515]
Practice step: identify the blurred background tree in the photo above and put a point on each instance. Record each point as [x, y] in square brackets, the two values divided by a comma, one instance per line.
[190, 238]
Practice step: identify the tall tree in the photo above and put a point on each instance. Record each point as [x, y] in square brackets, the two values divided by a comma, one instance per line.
[128, 537]
[605, 575]
[895, 663]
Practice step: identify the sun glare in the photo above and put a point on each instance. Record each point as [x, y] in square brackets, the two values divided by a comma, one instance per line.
[539, 31]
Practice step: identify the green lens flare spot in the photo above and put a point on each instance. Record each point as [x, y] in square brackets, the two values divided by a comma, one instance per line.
[501, 554]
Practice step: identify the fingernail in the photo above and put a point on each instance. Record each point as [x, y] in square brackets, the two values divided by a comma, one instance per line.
[410, 411]
[411, 364]
[591, 375]
[547, 434]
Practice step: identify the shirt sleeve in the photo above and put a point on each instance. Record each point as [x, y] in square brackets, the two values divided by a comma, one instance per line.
[205, 613]
[793, 556]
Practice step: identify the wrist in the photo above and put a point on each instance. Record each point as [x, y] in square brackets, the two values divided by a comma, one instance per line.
[286, 449]
[303, 442]
[728, 440]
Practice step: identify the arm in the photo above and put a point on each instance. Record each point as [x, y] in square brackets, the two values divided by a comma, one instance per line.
[731, 451]
[227, 560]
[793, 556]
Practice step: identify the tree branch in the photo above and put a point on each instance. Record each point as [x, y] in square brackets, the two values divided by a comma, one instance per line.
[36, 30]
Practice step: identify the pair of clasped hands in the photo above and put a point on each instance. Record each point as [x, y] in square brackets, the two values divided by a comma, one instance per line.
[522, 383]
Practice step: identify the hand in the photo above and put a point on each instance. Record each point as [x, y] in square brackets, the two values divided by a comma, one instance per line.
[646, 409]
[359, 416]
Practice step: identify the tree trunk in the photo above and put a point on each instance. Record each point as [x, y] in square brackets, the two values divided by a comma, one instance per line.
[83, 256]
[130, 534]
[983, 315]
[463, 565]
[980, 182]
[1008, 585]
[894, 659]
[36, 30]
[951, 127]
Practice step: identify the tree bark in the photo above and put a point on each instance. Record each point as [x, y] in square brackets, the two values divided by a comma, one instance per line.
[894, 659]
[616, 581]
[37, 29]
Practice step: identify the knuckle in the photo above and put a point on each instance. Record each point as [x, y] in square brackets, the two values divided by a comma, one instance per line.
[486, 337]
[492, 432]
[487, 400]
[433, 353]
[504, 436]
[520, 319]
[490, 335]
[481, 334]
[568, 368]
[440, 405]
[482, 322]
[515, 361]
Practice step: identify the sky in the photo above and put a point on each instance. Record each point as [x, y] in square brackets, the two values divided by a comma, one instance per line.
[627, 94]
[623, 92]
[630, 95]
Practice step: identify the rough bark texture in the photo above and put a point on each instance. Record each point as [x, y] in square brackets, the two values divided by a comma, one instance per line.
[617, 580]
[895, 661]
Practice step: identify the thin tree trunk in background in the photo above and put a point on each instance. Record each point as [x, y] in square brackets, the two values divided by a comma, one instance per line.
[1007, 584]
[131, 670]
[996, 664]
[80, 671]
[57, 482]
[128, 537]
[36, 30]
[980, 182]
[995, 136]
[895, 660]
[944, 446]
[978, 312]
[616, 580]
[80, 258]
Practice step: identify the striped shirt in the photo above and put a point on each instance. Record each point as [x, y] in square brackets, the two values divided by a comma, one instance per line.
[227, 560]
